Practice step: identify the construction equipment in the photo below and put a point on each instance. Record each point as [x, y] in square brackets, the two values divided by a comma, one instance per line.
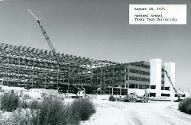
[183, 93]
[134, 97]
[175, 90]
[81, 92]
[48, 41]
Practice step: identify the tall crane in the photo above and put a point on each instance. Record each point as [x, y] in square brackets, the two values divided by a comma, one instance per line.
[81, 91]
[176, 92]
[49, 43]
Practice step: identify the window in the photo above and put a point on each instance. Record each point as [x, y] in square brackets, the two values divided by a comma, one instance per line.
[144, 73]
[145, 66]
[133, 78]
[166, 95]
[182, 95]
[133, 71]
[152, 94]
[143, 86]
[166, 88]
[153, 87]
[144, 79]
[132, 85]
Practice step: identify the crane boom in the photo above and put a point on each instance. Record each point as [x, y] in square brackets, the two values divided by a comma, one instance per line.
[45, 35]
[30, 11]
[51, 46]
[168, 76]
[47, 38]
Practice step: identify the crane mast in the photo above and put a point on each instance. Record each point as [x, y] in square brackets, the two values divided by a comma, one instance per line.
[47, 38]
[56, 57]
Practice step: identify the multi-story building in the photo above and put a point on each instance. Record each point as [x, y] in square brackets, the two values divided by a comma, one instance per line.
[117, 78]
[26, 66]
[131, 77]
[30, 67]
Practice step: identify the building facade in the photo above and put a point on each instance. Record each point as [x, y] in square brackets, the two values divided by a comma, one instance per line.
[134, 75]
[158, 78]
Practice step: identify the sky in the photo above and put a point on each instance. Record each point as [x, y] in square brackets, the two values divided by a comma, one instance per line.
[99, 29]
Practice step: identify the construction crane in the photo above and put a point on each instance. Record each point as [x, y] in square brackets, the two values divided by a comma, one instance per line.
[176, 92]
[80, 91]
[56, 58]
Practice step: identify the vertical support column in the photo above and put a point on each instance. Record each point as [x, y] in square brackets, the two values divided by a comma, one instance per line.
[120, 90]
[155, 75]
[113, 80]
[125, 79]
[69, 74]
[68, 88]
[127, 89]
[101, 74]
[45, 80]
[68, 78]
[102, 79]
[57, 78]
[33, 78]
[19, 70]
[7, 72]
[97, 76]
[91, 70]
[8, 56]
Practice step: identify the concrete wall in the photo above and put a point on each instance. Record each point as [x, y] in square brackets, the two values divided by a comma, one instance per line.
[155, 75]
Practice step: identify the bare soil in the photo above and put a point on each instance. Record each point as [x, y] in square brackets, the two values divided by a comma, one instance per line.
[126, 113]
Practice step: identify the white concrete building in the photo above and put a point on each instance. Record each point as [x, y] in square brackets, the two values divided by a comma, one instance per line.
[159, 79]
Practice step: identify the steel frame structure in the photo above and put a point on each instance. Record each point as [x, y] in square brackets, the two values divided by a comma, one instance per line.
[26, 66]
[31, 67]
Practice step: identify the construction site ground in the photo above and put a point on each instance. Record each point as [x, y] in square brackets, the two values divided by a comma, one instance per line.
[127, 113]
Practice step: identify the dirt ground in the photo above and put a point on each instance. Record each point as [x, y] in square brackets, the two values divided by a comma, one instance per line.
[126, 113]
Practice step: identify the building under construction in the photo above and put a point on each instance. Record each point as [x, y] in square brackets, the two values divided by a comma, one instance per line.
[36, 68]
[29, 67]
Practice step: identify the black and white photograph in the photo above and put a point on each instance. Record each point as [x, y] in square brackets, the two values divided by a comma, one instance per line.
[95, 62]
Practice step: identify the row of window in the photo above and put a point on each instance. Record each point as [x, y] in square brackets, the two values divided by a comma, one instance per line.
[137, 86]
[139, 72]
[146, 86]
[139, 79]
[141, 65]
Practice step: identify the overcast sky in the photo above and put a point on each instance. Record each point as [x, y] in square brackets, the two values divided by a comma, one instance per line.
[99, 29]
